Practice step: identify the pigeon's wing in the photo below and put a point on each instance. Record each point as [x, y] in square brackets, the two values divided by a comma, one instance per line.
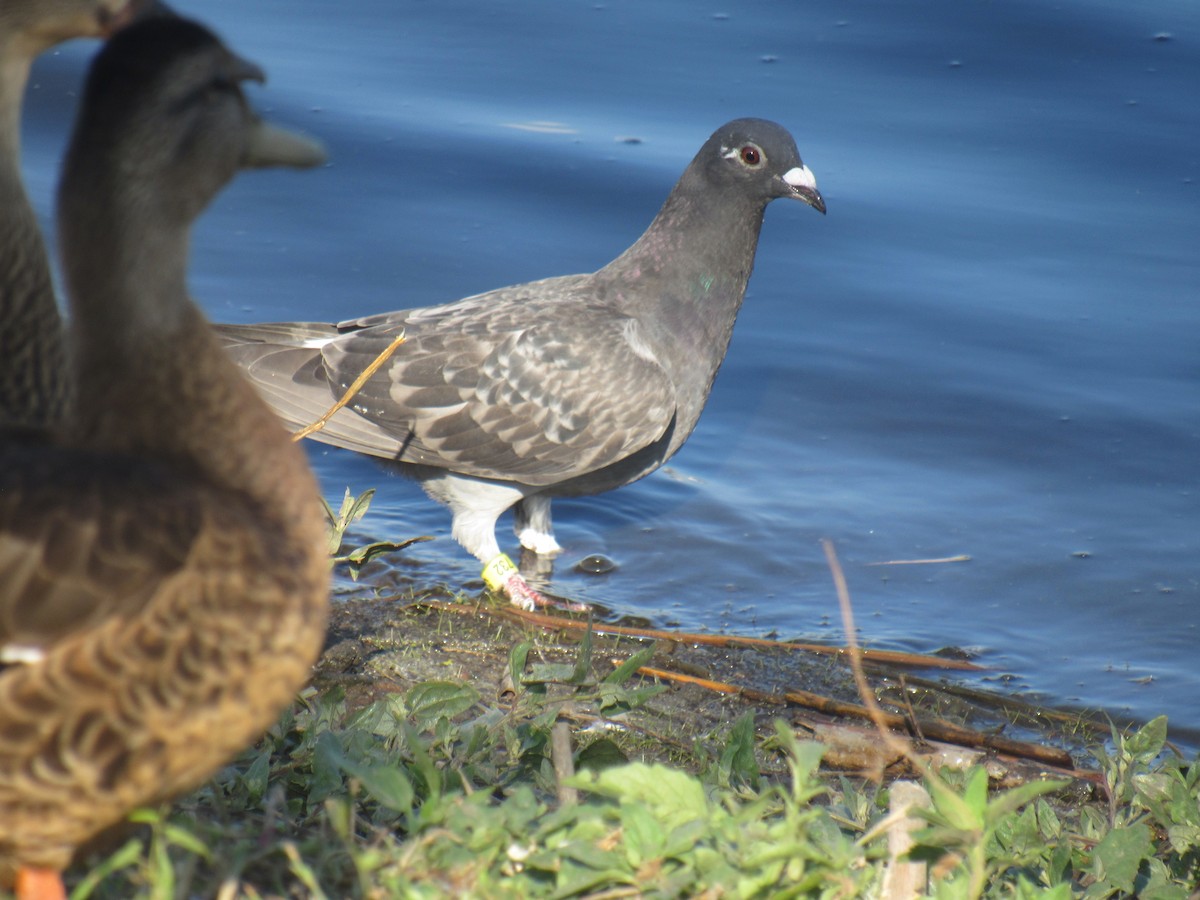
[537, 399]
[533, 383]
[283, 362]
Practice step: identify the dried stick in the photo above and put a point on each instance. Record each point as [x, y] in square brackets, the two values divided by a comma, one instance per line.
[354, 388]
[561, 623]
[935, 729]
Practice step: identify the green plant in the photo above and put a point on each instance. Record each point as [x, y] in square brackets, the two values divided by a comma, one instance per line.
[351, 510]
[438, 791]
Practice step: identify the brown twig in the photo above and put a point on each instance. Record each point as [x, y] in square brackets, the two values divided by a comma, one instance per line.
[564, 762]
[934, 729]
[912, 713]
[354, 388]
[1018, 707]
[865, 692]
[561, 623]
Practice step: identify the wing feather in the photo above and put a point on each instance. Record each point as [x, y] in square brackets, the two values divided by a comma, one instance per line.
[537, 383]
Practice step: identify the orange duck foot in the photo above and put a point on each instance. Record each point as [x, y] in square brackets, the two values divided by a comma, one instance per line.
[39, 884]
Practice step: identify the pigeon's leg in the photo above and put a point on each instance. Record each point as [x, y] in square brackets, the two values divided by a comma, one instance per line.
[502, 576]
[476, 504]
[532, 526]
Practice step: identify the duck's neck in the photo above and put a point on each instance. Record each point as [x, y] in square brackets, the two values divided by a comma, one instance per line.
[14, 74]
[154, 382]
[32, 352]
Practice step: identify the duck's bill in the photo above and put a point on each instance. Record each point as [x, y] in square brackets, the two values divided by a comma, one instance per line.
[269, 145]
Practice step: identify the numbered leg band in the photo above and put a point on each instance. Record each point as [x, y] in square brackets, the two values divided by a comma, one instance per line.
[498, 571]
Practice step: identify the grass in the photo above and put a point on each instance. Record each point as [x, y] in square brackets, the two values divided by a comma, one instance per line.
[404, 772]
[438, 792]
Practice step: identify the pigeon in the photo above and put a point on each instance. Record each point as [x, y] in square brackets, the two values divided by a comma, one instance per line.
[561, 387]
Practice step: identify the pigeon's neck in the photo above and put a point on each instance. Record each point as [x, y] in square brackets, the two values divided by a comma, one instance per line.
[696, 256]
[684, 281]
[32, 355]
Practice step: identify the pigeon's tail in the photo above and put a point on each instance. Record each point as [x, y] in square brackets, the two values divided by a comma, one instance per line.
[284, 334]
[283, 361]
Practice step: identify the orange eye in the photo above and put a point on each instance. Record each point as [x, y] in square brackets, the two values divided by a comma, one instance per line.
[751, 155]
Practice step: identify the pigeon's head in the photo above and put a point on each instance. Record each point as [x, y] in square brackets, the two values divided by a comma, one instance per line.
[760, 158]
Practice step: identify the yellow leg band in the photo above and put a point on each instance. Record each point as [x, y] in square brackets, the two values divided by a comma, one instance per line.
[498, 571]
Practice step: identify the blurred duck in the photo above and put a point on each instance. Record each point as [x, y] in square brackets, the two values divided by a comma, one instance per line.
[32, 364]
[163, 566]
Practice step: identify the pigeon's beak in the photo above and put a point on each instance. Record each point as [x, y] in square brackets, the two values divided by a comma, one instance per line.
[803, 186]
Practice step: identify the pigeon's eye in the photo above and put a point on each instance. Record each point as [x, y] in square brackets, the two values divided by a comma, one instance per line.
[751, 155]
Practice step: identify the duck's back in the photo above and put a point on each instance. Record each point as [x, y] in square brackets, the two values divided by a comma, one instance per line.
[161, 628]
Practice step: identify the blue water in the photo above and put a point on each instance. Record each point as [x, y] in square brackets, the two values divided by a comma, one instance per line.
[990, 346]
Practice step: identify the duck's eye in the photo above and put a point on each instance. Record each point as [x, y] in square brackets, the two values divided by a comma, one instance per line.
[751, 155]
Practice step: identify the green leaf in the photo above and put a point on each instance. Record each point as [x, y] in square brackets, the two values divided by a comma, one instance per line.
[975, 791]
[180, 837]
[360, 556]
[1027, 891]
[550, 673]
[516, 661]
[425, 766]
[1048, 820]
[1060, 868]
[386, 784]
[627, 669]
[803, 759]
[674, 796]
[951, 809]
[642, 835]
[429, 701]
[255, 776]
[1184, 838]
[351, 510]
[326, 778]
[737, 760]
[1014, 798]
[126, 856]
[1146, 743]
[340, 815]
[600, 754]
[1119, 855]
[583, 660]
[1160, 885]
[619, 698]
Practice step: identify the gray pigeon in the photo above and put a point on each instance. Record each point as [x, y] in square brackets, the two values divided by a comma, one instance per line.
[562, 387]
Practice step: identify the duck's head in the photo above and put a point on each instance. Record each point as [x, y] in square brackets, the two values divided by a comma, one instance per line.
[164, 120]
